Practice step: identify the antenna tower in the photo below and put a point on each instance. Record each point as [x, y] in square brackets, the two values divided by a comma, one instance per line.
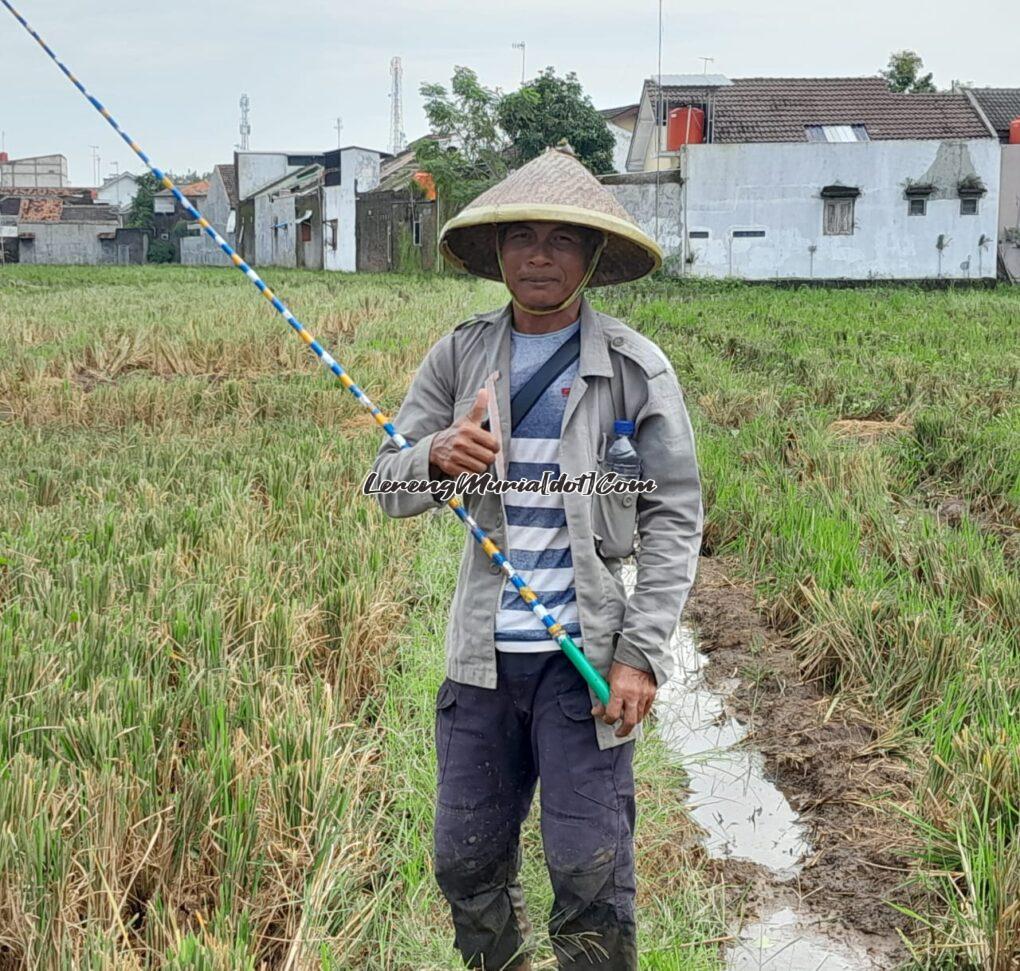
[396, 106]
[245, 127]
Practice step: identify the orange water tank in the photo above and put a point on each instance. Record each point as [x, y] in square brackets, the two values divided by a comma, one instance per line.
[1014, 132]
[425, 180]
[685, 126]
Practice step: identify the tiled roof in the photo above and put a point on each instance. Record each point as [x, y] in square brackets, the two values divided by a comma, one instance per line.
[226, 173]
[779, 109]
[1000, 105]
[89, 214]
[84, 193]
[40, 210]
[188, 191]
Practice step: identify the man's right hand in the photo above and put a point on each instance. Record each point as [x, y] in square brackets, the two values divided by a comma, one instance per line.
[465, 446]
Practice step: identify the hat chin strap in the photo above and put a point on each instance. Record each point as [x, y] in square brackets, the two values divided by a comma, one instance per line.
[566, 303]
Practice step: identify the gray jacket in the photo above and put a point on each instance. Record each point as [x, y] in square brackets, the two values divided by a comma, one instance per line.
[621, 374]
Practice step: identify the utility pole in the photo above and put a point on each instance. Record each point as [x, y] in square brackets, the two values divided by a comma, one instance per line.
[339, 128]
[707, 61]
[519, 46]
[95, 164]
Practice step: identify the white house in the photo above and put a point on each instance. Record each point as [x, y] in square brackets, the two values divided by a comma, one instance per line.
[824, 178]
[118, 191]
[1001, 109]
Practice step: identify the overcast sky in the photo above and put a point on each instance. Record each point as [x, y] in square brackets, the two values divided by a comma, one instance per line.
[174, 80]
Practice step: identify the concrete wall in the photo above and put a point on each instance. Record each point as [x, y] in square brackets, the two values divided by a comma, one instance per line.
[274, 247]
[623, 137]
[637, 194]
[128, 247]
[201, 250]
[119, 193]
[42, 171]
[255, 169]
[1009, 207]
[65, 243]
[775, 187]
[359, 172]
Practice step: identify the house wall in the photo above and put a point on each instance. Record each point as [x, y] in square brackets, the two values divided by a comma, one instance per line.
[120, 192]
[43, 171]
[128, 247]
[1009, 206]
[255, 169]
[63, 243]
[775, 187]
[275, 247]
[359, 172]
[382, 219]
[623, 136]
[201, 250]
[638, 195]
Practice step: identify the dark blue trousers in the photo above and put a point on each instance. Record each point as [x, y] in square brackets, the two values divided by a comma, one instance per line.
[493, 744]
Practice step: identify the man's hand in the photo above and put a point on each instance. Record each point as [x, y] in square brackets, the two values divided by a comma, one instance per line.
[465, 446]
[631, 693]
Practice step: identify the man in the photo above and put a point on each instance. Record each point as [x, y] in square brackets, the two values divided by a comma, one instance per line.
[513, 710]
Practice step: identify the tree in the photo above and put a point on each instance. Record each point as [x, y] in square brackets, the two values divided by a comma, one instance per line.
[140, 215]
[549, 108]
[903, 73]
[467, 117]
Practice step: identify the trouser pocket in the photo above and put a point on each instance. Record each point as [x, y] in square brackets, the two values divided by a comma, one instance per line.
[446, 710]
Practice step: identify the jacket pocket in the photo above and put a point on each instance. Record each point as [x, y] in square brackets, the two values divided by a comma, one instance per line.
[614, 524]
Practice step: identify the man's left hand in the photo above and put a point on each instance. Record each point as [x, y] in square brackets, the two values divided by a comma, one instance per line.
[631, 693]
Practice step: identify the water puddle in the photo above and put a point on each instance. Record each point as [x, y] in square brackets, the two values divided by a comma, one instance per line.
[744, 815]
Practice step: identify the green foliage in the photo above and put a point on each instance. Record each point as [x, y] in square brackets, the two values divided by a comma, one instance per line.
[904, 73]
[408, 255]
[467, 114]
[161, 251]
[140, 216]
[549, 108]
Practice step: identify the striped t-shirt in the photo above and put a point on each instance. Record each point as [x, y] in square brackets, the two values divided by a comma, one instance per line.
[536, 526]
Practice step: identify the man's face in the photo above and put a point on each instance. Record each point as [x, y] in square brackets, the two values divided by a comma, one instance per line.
[544, 262]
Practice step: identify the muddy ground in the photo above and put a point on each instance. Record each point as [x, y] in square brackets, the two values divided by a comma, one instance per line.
[821, 761]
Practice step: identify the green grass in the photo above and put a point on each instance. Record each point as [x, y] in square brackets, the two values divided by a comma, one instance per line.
[217, 662]
[910, 613]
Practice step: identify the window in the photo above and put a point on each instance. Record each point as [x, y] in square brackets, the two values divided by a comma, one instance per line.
[917, 206]
[331, 233]
[306, 232]
[836, 133]
[416, 227]
[838, 217]
[968, 206]
[748, 233]
[698, 234]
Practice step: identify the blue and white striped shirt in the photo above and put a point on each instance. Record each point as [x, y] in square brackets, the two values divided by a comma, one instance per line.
[536, 526]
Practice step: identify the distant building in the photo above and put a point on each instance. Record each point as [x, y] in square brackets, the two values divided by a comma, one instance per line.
[220, 208]
[54, 231]
[620, 122]
[33, 172]
[168, 213]
[813, 178]
[1001, 109]
[304, 214]
[400, 211]
[118, 191]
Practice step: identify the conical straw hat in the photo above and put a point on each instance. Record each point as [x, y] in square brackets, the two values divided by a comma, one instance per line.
[555, 187]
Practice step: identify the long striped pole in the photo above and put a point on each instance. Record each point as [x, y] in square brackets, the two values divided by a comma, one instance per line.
[555, 630]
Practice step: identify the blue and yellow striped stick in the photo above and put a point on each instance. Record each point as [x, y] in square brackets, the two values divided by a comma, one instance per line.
[555, 630]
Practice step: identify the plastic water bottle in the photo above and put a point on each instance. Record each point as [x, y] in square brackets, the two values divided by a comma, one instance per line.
[621, 457]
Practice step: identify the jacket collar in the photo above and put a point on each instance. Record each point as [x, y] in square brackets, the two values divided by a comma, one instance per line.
[594, 357]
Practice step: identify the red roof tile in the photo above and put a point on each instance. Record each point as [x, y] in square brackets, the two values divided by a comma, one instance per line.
[779, 109]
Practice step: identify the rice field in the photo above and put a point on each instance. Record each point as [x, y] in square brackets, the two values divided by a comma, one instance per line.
[218, 660]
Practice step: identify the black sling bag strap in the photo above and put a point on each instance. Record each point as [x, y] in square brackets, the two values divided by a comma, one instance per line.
[535, 386]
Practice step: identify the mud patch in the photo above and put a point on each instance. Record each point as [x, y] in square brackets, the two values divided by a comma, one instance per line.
[822, 759]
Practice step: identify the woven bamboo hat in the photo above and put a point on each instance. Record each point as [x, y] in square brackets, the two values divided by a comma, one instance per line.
[555, 187]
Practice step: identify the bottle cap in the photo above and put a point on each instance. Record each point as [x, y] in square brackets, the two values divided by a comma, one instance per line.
[623, 427]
